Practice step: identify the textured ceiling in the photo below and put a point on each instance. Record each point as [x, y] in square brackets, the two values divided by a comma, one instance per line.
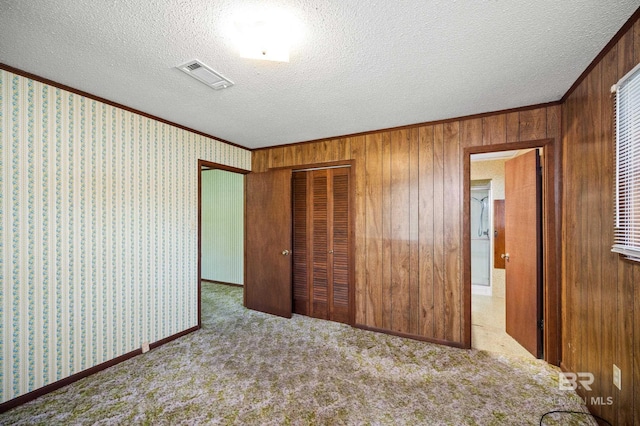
[359, 65]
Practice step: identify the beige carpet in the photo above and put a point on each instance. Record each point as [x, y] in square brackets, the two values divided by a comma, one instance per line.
[245, 367]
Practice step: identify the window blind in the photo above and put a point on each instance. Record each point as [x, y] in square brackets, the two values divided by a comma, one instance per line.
[627, 191]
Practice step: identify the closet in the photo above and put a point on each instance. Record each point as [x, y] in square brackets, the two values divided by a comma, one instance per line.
[321, 244]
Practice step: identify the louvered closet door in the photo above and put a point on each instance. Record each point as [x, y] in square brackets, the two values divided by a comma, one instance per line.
[321, 244]
[300, 252]
[339, 245]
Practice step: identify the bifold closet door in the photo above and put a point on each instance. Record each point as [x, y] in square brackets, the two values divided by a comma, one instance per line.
[300, 253]
[339, 251]
[321, 244]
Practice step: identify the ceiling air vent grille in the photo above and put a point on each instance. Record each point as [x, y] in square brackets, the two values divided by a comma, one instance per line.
[205, 74]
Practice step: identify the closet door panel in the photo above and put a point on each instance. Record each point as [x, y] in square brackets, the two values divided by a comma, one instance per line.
[319, 244]
[300, 270]
[340, 247]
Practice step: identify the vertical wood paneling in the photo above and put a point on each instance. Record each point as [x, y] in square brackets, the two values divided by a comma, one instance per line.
[594, 225]
[513, 126]
[408, 215]
[288, 155]
[581, 235]
[599, 321]
[533, 124]
[358, 151]
[374, 229]
[276, 157]
[387, 237]
[341, 149]
[414, 205]
[323, 151]
[554, 127]
[426, 205]
[452, 232]
[307, 153]
[494, 129]
[471, 133]
[439, 255]
[299, 154]
[609, 269]
[552, 237]
[260, 160]
[399, 236]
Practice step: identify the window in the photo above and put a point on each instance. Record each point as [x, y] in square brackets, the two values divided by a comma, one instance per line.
[627, 202]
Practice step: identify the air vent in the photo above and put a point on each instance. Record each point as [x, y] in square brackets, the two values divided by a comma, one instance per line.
[205, 74]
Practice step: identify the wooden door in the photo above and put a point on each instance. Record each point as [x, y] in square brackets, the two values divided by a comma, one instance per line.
[523, 247]
[321, 224]
[267, 282]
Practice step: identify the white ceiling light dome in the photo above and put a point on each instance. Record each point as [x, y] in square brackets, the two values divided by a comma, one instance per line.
[266, 35]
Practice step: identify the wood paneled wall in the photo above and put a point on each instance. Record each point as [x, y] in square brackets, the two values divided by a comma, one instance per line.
[601, 291]
[408, 207]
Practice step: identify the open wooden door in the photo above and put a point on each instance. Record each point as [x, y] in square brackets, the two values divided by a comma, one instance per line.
[523, 251]
[267, 283]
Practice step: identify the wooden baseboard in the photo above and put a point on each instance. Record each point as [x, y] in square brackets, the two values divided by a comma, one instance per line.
[221, 282]
[412, 336]
[19, 400]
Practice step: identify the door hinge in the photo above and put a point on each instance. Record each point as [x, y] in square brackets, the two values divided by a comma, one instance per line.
[540, 171]
[541, 324]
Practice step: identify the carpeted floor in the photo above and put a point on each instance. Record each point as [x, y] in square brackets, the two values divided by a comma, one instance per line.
[245, 367]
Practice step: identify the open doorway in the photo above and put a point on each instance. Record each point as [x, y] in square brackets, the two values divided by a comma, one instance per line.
[220, 226]
[486, 297]
[491, 314]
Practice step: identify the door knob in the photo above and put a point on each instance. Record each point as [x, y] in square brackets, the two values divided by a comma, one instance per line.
[505, 256]
[330, 251]
[285, 252]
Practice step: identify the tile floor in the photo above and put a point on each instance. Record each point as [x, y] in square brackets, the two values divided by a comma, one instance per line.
[488, 327]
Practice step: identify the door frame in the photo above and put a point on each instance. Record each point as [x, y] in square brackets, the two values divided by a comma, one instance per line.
[208, 165]
[352, 213]
[551, 239]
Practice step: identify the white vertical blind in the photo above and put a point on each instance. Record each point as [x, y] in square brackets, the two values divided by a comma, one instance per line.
[627, 208]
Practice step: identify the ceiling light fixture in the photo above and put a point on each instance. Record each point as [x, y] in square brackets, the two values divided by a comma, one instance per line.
[266, 37]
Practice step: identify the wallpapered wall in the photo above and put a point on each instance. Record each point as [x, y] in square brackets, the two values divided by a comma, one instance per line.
[223, 226]
[98, 231]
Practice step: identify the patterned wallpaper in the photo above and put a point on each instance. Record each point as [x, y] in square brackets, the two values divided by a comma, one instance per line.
[98, 231]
